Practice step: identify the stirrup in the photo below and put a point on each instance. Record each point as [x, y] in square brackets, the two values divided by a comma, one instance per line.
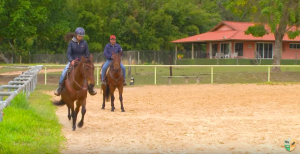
[103, 82]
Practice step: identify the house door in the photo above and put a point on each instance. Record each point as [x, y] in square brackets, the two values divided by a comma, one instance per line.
[264, 50]
[225, 48]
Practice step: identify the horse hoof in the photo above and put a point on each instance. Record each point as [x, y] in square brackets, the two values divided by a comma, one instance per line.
[74, 129]
[80, 124]
[112, 111]
[69, 117]
[103, 108]
[123, 110]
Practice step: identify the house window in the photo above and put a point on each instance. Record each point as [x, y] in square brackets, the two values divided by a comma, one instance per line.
[264, 50]
[214, 49]
[239, 48]
[294, 46]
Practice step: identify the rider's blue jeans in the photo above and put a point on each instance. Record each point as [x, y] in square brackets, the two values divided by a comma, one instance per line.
[64, 72]
[105, 67]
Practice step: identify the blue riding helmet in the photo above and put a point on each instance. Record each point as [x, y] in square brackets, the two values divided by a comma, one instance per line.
[80, 31]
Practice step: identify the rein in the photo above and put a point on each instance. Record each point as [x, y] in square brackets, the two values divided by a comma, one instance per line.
[81, 88]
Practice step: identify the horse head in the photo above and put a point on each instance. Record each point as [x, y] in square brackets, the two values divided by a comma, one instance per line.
[116, 61]
[87, 69]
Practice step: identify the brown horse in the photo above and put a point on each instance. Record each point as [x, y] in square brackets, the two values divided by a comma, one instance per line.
[114, 79]
[76, 85]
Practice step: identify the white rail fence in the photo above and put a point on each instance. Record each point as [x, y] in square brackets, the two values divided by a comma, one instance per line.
[24, 83]
[268, 68]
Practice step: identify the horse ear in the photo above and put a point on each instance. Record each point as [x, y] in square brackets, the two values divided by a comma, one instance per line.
[121, 53]
[113, 53]
[82, 58]
[91, 57]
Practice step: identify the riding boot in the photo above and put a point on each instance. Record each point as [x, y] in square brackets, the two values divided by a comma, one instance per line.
[58, 90]
[124, 83]
[91, 90]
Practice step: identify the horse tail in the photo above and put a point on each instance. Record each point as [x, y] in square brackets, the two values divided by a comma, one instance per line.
[59, 103]
[107, 94]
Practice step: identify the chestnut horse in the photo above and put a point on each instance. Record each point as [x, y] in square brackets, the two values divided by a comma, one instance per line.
[114, 79]
[76, 85]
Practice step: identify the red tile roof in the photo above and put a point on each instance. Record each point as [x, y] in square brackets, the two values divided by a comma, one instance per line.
[235, 32]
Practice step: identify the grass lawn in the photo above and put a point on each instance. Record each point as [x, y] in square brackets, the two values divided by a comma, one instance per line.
[30, 126]
[144, 75]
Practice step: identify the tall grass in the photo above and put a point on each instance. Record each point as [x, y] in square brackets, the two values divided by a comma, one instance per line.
[30, 126]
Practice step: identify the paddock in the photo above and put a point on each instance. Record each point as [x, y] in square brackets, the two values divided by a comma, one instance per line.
[207, 118]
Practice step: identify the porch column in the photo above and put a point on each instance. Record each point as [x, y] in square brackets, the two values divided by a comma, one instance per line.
[192, 50]
[210, 50]
[255, 50]
[230, 49]
[175, 51]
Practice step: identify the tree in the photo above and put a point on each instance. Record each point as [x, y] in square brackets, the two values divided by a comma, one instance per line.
[279, 17]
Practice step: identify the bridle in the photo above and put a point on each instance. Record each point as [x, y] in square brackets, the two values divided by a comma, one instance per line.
[83, 88]
[116, 64]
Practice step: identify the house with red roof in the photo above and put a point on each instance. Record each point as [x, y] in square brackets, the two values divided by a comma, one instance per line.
[228, 40]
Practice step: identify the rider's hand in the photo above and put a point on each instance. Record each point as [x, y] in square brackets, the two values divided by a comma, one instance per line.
[73, 62]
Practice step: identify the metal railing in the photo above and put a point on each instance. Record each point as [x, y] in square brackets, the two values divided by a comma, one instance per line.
[25, 83]
[98, 67]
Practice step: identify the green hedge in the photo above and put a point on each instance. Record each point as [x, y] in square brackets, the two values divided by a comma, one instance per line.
[233, 62]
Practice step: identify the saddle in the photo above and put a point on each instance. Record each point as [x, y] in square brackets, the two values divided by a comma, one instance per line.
[68, 73]
[71, 68]
[106, 73]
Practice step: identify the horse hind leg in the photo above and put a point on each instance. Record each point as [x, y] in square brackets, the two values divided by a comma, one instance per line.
[83, 111]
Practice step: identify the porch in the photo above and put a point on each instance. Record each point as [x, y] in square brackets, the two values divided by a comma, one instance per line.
[231, 50]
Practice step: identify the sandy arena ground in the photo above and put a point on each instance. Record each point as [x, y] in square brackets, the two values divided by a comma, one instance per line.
[189, 119]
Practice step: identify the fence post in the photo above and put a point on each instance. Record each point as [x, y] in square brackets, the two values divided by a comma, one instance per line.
[1, 97]
[269, 74]
[97, 76]
[212, 74]
[45, 75]
[154, 75]
[138, 58]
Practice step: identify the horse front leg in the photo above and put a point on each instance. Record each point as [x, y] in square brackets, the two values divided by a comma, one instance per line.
[75, 113]
[69, 113]
[83, 111]
[112, 90]
[112, 103]
[104, 94]
[121, 97]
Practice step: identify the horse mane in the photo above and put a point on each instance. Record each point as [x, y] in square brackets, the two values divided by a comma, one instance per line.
[88, 60]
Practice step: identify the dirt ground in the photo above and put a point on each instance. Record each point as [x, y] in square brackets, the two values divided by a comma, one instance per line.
[234, 118]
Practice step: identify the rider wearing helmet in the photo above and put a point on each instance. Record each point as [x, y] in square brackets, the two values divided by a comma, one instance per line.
[109, 48]
[77, 48]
